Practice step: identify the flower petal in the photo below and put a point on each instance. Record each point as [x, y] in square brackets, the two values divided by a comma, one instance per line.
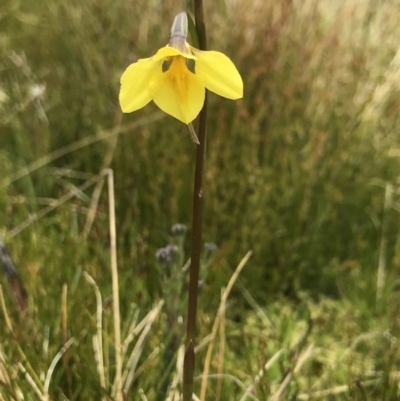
[169, 51]
[134, 93]
[218, 73]
[185, 107]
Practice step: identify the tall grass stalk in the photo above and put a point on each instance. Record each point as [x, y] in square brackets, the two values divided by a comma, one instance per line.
[99, 186]
[217, 322]
[53, 365]
[189, 359]
[381, 274]
[64, 328]
[117, 387]
[98, 338]
[65, 198]
[35, 381]
[102, 135]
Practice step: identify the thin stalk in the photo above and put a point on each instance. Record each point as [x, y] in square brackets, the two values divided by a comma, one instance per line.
[64, 325]
[81, 143]
[189, 359]
[217, 323]
[117, 386]
[43, 212]
[382, 266]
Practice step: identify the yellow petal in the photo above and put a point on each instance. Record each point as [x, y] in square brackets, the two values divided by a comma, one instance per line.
[169, 51]
[134, 93]
[182, 101]
[218, 73]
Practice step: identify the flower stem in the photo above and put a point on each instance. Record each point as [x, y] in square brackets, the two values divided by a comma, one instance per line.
[189, 359]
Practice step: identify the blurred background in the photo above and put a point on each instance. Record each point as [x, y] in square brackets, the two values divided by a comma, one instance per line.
[303, 171]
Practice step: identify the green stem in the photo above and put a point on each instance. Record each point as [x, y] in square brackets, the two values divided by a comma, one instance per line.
[200, 27]
[189, 360]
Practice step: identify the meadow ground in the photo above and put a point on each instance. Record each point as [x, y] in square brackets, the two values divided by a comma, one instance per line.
[302, 172]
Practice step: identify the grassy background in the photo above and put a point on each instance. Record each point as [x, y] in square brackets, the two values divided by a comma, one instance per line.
[297, 172]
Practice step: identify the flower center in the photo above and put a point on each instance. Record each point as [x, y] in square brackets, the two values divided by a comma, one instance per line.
[178, 74]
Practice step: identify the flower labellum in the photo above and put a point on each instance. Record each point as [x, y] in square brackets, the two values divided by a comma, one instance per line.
[176, 77]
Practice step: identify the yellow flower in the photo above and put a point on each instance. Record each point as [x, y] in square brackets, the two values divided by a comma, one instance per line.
[176, 77]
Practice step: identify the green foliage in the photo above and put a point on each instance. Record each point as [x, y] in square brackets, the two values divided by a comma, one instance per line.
[296, 172]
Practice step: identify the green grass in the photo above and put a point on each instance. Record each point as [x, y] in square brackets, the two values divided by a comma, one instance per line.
[296, 172]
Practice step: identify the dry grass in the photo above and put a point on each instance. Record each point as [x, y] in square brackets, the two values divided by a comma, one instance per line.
[299, 171]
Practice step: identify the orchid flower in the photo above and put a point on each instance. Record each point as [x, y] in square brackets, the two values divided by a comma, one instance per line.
[176, 77]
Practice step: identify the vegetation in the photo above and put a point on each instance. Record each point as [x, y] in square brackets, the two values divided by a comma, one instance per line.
[303, 172]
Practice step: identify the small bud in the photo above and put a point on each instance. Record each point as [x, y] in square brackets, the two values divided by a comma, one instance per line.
[163, 255]
[210, 247]
[178, 229]
[179, 31]
[180, 26]
[171, 248]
